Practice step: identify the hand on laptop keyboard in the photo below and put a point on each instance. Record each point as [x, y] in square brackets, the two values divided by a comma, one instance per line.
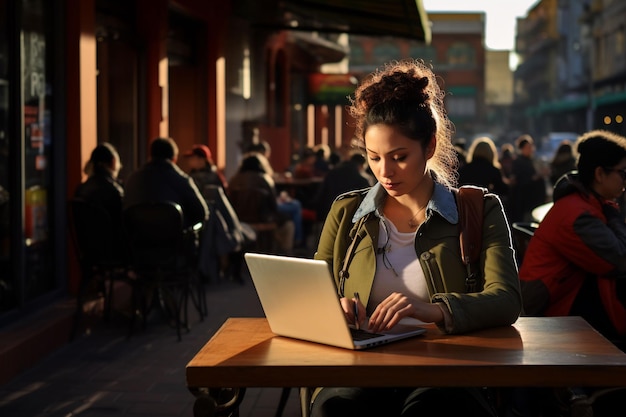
[360, 334]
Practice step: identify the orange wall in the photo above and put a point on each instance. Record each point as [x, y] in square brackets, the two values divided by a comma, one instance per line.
[81, 104]
[152, 28]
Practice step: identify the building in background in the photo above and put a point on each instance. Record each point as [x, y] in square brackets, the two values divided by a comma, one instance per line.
[459, 47]
[457, 54]
[536, 44]
[498, 95]
[572, 75]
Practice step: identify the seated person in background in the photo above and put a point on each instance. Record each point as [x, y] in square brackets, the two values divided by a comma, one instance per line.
[202, 168]
[306, 172]
[101, 187]
[322, 164]
[305, 167]
[263, 147]
[575, 263]
[223, 236]
[288, 203]
[347, 176]
[385, 231]
[253, 183]
[162, 180]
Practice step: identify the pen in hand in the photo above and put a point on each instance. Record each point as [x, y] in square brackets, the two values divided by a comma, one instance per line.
[356, 310]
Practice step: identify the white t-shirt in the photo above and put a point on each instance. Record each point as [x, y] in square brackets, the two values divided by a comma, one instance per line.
[397, 266]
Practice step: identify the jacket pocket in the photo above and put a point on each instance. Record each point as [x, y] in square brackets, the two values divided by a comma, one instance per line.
[432, 272]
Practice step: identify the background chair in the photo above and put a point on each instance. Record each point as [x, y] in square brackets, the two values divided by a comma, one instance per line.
[101, 254]
[163, 254]
[522, 233]
[254, 206]
[224, 237]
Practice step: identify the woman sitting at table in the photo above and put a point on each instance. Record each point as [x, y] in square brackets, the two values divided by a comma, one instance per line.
[253, 195]
[575, 263]
[102, 189]
[406, 261]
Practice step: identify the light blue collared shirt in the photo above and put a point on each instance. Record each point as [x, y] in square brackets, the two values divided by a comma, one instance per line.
[442, 202]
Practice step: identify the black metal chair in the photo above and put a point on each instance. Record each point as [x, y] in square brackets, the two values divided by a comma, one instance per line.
[101, 254]
[163, 254]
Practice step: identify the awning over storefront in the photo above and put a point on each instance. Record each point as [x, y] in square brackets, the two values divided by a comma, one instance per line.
[558, 106]
[611, 98]
[331, 88]
[399, 18]
[577, 103]
[323, 50]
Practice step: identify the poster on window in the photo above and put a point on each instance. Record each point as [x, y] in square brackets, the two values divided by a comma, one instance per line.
[34, 94]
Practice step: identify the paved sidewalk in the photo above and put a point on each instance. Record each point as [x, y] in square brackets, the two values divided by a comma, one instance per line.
[105, 374]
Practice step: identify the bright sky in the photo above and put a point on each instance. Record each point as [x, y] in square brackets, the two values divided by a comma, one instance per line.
[500, 17]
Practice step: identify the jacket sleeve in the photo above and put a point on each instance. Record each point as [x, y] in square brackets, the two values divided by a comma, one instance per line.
[500, 302]
[195, 208]
[335, 235]
[331, 246]
[606, 241]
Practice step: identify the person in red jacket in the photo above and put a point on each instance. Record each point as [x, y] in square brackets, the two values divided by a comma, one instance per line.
[575, 263]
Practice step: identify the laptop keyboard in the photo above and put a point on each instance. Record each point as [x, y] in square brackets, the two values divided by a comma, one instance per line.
[359, 335]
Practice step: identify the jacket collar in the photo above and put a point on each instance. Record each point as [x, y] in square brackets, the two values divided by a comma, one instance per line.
[441, 202]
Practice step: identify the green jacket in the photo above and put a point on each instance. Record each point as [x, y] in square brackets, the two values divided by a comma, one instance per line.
[438, 249]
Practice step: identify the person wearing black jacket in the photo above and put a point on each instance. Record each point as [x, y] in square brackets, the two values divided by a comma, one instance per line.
[162, 180]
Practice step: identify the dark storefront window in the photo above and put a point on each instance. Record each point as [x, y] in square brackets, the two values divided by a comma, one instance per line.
[7, 299]
[27, 269]
[36, 53]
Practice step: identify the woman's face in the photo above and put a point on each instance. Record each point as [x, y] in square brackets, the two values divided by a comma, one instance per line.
[399, 163]
[610, 182]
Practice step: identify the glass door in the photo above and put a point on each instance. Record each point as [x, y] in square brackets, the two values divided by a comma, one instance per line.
[36, 89]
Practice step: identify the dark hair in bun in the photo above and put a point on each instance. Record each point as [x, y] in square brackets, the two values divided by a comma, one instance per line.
[406, 95]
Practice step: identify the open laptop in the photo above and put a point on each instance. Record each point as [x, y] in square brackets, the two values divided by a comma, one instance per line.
[299, 298]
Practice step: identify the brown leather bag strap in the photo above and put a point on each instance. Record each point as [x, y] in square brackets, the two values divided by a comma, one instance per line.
[470, 202]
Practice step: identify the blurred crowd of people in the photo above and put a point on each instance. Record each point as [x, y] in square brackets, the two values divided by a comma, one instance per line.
[514, 173]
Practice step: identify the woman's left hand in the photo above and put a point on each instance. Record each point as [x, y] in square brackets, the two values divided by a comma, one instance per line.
[397, 306]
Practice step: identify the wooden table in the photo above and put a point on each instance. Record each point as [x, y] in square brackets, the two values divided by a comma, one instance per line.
[535, 351]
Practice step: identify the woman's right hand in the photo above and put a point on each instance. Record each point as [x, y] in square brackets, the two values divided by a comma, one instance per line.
[348, 305]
